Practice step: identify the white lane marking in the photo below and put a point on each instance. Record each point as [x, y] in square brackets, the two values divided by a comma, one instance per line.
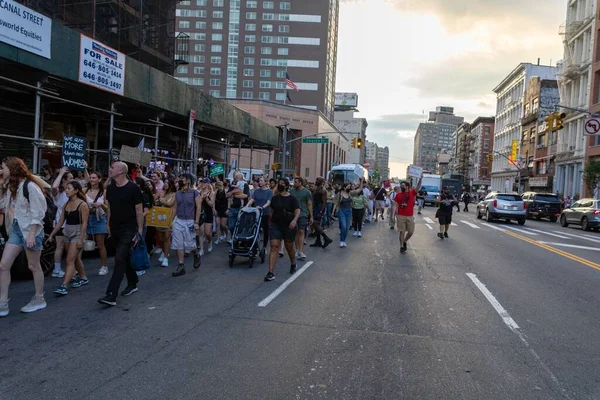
[591, 236]
[574, 246]
[581, 237]
[428, 220]
[429, 226]
[548, 233]
[472, 225]
[521, 231]
[284, 285]
[489, 225]
[453, 224]
[512, 325]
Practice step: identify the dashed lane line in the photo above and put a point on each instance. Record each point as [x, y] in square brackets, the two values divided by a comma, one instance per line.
[284, 285]
[429, 226]
[581, 237]
[428, 220]
[573, 246]
[472, 225]
[548, 233]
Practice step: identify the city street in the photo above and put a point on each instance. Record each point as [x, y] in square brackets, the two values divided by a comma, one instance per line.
[498, 311]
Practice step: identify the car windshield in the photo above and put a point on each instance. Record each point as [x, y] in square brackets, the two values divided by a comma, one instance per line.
[548, 198]
[509, 197]
[430, 188]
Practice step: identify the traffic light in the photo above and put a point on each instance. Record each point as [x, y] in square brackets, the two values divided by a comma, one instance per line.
[359, 143]
[550, 121]
[353, 143]
[559, 120]
[490, 157]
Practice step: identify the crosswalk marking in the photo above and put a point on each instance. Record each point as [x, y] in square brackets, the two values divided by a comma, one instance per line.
[428, 220]
[494, 227]
[591, 236]
[472, 225]
[548, 233]
[521, 231]
[581, 237]
[429, 226]
[453, 224]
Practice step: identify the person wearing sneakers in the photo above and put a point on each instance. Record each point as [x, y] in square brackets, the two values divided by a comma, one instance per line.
[360, 205]
[207, 205]
[74, 217]
[94, 193]
[60, 199]
[262, 197]
[221, 205]
[304, 197]
[405, 216]
[392, 210]
[447, 201]
[166, 198]
[285, 212]
[125, 221]
[26, 231]
[185, 224]
[343, 204]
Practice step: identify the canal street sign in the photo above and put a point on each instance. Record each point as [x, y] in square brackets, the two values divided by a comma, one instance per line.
[315, 140]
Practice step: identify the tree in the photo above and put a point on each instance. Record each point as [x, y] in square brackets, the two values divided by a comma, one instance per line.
[591, 175]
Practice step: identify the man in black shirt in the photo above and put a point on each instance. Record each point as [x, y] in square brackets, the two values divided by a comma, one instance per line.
[447, 202]
[285, 211]
[125, 224]
[379, 196]
[421, 199]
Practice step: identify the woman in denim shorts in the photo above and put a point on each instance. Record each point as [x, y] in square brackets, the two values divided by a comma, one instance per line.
[26, 231]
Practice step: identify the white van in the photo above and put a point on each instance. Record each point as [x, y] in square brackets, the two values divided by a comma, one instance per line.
[351, 173]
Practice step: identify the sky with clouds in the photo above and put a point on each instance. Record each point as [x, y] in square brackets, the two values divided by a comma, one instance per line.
[405, 57]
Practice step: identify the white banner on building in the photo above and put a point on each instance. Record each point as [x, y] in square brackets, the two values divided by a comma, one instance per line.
[24, 28]
[101, 66]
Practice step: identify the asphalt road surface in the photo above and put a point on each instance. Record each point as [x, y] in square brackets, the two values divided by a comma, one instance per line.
[498, 311]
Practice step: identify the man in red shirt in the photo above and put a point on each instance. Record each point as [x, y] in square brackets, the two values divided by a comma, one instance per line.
[405, 204]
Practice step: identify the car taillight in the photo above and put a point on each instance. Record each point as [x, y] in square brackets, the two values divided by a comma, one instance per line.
[524, 206]
[495, 203]
[596, 212]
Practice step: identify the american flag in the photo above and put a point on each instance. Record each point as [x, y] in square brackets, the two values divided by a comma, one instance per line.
[289, 83]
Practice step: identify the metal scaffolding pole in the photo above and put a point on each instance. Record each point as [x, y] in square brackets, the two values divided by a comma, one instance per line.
[36, 131]
[111, 126]
[156, 133]
[251, 151]
[96, 133]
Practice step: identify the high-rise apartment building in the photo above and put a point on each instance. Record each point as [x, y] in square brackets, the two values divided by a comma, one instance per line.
[509, 111]
[243, 48]
[434, 136]
[378, 160]
[353, 128]
[482, 143]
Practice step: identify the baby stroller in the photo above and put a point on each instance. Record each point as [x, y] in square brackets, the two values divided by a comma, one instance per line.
[245, 239]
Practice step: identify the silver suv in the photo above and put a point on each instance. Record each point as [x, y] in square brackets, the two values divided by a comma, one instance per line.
[508, 206]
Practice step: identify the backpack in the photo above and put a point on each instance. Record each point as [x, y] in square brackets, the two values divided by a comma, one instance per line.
[51, 208]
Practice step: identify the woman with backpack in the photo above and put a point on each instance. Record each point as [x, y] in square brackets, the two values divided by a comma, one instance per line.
[74, 220]
[19, 191]
[96, 226]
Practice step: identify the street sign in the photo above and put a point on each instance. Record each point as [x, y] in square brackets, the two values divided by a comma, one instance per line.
[592, 126]
[315, 140]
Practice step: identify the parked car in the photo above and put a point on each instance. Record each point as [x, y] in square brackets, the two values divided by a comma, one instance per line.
[508, 206]
[584, 212]
[542, 205]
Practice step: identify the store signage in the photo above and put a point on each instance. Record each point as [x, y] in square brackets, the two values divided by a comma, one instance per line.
[538, 181]
[101, 66]
[217, 169]
[24, 28]
[514, 151]
[74, 149]
[134, 155]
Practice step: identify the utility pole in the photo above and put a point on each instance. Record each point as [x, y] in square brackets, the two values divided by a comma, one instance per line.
[284, 149]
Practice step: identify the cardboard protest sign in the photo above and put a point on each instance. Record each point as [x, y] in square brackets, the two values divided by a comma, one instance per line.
[74, 151]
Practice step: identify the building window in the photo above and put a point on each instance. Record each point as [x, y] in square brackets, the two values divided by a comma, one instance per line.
[198, 59]
[536, 104]
[201, 13]
[541, 140]
[250, 38]
[250, 27]
[215, 93]
[266, 50]
[249, 61]
[279, 85]
[215, 59]
[283, 51]
[249, 49]
[283, 39]
[215, 82]
[265, 84]
[284, 17]
[184, 80]
[266, 61]
[248, 72]
[199, 48]
[284, 28]
[217, 26]
[281, 74]
[265, 73]
[183, 13]
[264, 96]
[285, 5]
[251, 4]
[202, 3]
[217, 37]
[248, 84]
[184, 3]
[280, 96]
[250, 15]
[217, 14]
[182, 69]
[198, 70]
[216, 48]
[218, 3]
[200, 36]
[267, 28]
[266, 39]
[268, 17]
[198, 81]
[215, 71]
[247, 95]
[184, 24]
[269, 5]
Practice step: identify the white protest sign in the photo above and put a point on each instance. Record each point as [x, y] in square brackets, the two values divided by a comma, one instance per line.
[101, 66]
[24, 28]
[415, 171]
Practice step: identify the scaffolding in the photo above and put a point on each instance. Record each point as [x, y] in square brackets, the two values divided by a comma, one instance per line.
[141, 29]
